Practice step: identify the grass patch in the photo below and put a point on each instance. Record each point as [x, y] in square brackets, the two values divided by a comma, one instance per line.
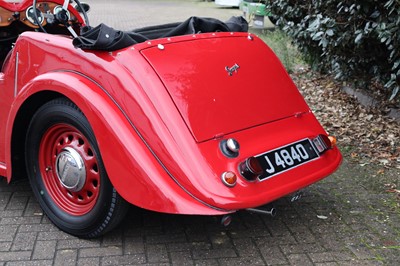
[393, 247]
[283, 47]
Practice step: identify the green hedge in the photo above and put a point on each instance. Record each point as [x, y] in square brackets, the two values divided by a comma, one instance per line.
[355, 40]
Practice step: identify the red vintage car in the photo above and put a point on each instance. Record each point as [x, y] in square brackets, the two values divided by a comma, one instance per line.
[198, 117]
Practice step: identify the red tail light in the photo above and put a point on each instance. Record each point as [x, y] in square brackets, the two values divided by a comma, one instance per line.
[250, 169]
[323, 143]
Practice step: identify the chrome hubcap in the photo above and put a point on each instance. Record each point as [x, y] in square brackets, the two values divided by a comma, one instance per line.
[70, 169]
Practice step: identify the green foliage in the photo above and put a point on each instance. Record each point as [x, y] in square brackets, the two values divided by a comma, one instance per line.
[282, 46]
[355, 40]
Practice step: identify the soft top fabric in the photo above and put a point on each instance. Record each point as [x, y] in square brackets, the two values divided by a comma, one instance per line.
[106, 38]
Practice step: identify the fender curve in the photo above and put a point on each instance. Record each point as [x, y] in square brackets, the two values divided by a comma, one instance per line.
[132, 168]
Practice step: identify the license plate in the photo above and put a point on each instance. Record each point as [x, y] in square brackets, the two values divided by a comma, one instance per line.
[286, 158]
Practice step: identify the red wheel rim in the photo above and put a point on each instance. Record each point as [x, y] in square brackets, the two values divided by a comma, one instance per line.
[53, 142]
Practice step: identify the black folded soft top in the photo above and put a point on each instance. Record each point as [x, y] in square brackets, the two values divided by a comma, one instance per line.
[106, 38]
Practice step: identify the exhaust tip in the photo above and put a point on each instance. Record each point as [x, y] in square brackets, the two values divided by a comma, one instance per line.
[272, 212]
[226, 220]
[267, 210]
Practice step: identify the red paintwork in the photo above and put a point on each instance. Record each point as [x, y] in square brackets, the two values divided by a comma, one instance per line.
[206, 95]
[54, 140]
[159, 115]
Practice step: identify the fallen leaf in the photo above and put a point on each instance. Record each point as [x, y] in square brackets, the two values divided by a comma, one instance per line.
[380, 172]
[373, 136]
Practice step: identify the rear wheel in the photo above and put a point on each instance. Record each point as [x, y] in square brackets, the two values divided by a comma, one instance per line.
[67, 174]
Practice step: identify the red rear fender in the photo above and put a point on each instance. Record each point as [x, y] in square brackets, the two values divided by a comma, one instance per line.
[132, 167]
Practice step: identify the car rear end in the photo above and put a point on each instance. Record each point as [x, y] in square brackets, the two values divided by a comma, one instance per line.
[248, 136]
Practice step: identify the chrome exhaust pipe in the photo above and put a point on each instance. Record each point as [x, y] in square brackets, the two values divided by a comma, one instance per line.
[226, 220]
[271, 211]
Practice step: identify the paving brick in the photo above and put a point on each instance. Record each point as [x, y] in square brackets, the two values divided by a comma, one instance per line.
[55, 234]
[327, 264]
[37, 228]
[4, 198]
[245, 233]
[152, 231]
[305, 237]
[66, 257]
[124, 260]
[10, 213]
[5, 246]
[21, 220]
[276, 240]
[291, 217]
[133, 245]
[23, 190]
[343, 255]
[196, 234]
[214, 254]
[30, 263]
[221, 240]
[17, 203]
[44, 250]
[322, 257]
[114, 238]
[156, 253]
[361, 252]
[7, 232]
[77, 243]
[99, 252]
[24, 241]
[181, 258]
[166, 238]
[362, 263]
[188, 246]
[210, 262]
[252, 220]
[299, 259]
[241, 261]
[15, 255]
[276, 227]
[33, 209]
[246, 247]
[272, 255]
[131, 231]
[88, 261]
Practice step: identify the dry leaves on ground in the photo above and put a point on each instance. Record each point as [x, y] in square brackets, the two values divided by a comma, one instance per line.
[366, 133]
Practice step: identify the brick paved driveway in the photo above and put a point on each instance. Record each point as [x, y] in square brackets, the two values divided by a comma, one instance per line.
[340, 221]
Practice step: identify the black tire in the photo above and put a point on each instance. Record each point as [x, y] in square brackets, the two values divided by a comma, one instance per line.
[81, 201]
